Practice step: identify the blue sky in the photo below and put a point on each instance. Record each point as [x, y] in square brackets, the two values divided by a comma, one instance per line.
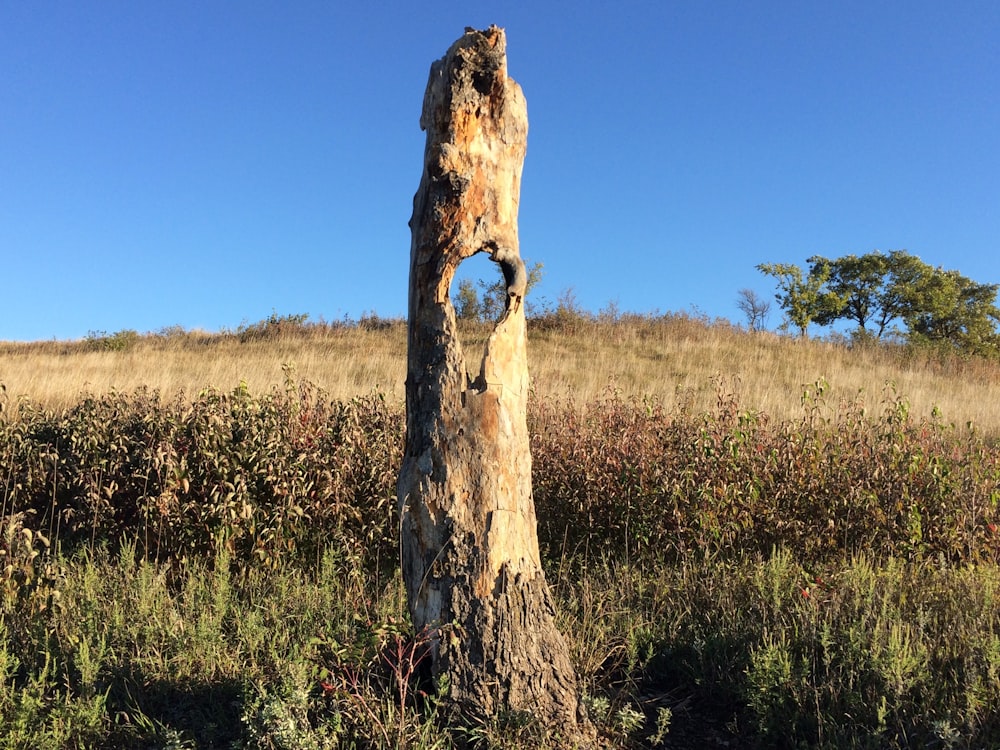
[206, 163]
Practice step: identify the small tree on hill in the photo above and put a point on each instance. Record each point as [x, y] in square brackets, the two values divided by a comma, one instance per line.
[467, 304]
[802, 297]
[936, 306]
[754, 307]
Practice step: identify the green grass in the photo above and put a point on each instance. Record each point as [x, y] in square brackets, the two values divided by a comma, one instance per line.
[111, 652]
[221, 572]
[105, 651]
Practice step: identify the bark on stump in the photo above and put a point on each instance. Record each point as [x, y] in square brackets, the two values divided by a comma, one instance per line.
[468, 532]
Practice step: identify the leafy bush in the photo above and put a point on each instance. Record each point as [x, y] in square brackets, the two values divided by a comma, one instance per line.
[287, 472]
[629, 477]
[266, 477]
[120, 341]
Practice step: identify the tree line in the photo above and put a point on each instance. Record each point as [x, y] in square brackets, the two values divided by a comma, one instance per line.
[892, 295]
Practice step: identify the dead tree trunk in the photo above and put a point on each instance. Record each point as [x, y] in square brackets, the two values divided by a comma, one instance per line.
[468, 532]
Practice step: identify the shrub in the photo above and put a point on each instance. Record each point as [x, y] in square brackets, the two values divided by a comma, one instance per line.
[632, 478]
[263, 477]
[272, 327]
[120, 341]
[286, 472]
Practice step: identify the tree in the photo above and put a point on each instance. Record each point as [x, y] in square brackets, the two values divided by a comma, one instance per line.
[470, 306]
[470, 560]
[754, 307]
[803, 298]
[936, 306]
[495, 294]
[944, 306]
[871, 289]
[467, 304]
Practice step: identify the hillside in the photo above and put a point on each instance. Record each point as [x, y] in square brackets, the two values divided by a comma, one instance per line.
[675, 359]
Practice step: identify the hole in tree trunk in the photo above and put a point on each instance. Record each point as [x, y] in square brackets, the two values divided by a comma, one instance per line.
[479, 295]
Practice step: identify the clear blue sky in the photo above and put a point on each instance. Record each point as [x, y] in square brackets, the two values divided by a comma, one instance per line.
[206, 163]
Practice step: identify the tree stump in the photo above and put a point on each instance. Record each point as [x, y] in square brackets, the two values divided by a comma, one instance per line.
[469, 543]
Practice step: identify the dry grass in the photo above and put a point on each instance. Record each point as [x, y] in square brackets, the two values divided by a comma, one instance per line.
[680, 361]
[344, 361]
[675, 359]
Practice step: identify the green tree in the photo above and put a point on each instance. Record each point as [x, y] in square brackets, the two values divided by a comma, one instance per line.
[872, 289]
[946, 307]
[803, 297]
[467, 304]
[470, 305]
[936, 306]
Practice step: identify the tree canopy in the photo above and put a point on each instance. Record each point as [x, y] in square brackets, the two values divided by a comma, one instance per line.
[890, 294]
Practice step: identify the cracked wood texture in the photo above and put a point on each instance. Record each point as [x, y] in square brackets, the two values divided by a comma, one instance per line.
[469, 545]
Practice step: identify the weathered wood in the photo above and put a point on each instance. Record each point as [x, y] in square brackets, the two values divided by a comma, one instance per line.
[468, 531]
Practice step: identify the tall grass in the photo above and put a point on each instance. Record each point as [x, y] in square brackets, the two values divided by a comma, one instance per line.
[219, 570]
[105, 650]
[278, 475]
[198, 539]
[673, 358]
[346, 360]
[836, 481]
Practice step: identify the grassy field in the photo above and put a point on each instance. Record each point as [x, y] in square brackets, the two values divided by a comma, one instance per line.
[752, 541]
[675, 359]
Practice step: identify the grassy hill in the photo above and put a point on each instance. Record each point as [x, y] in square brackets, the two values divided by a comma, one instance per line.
[674, 359]
[752, 541]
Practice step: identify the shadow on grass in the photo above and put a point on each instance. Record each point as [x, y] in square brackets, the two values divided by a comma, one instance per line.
[176, 713]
